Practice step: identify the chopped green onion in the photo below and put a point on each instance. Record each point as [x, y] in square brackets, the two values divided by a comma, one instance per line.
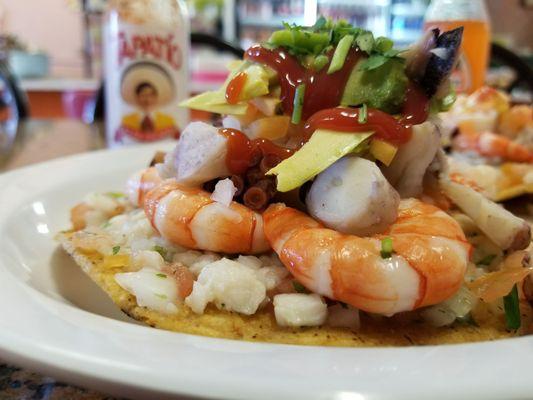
[106, 224]
[161, 296]
[386, 248]
[161, 250]
[116, 249]
[298, 104]
[299, 287]
[339, 57]
[320, 62]
[161, 275]
[512, 309]
[362, 117]
[116, 195]
[487, 260]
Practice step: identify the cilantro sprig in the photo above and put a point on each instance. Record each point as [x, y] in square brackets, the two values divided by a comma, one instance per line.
[317, 42]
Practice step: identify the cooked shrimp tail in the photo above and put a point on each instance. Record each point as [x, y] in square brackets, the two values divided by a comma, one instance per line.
[189, 217]
[427, 265]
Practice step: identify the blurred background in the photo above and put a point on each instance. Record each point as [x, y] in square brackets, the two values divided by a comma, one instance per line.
[54, 47]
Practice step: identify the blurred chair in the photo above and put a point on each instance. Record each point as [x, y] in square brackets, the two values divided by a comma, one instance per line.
[524, 74]
[97, 111]
[13, 109]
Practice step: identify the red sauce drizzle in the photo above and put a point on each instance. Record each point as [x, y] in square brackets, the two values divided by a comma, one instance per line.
[322, 90]
[242, 152]
[234, 88]
[386, 127]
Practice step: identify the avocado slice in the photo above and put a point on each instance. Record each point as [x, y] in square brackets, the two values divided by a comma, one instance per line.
[323, 149]
[383, 87]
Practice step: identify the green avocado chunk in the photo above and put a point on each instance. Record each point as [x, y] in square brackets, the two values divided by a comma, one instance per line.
[383, 87]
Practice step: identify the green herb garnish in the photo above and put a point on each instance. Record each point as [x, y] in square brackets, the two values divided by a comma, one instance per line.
[298, 104]
[487, 260]
[512, 309]
[321, 38]
[386, 248]
[339, 57]
[299, 287]
[161, 296]
[161, 250]
[116, 195]
[116, 249]
[320, 62]
[362, 116]
[161, 275]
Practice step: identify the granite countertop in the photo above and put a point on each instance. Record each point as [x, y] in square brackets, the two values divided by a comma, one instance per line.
[17, 384]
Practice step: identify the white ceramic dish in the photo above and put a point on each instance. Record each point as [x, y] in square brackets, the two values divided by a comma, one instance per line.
[55, 321]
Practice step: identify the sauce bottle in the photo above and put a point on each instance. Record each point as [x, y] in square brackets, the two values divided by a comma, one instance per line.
[146, 45]
[473, 16]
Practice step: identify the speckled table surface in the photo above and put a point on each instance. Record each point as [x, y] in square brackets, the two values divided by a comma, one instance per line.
[17, 384]
[37, 141]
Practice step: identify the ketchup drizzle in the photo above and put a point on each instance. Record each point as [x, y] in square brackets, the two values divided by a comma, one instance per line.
[242, 152]
[386, 127]
[322, 90]
[235, 86]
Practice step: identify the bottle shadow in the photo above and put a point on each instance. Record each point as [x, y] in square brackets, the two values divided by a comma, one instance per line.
[73, 285]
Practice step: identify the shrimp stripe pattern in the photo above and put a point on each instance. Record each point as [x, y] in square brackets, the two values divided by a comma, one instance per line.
[141, 183]
[427, 267]
[489, 144]
[189, 217]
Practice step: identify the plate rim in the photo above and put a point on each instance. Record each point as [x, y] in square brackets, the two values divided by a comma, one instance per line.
[22, 353]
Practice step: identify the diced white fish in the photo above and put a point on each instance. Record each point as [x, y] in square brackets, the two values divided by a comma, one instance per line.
[406, 172]
[298, 309]
[151, 288]
[352, 196]
[201, 154]
[230, 286]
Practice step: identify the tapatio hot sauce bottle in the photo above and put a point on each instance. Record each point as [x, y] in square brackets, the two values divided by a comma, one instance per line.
[146, 46]
[473, 16]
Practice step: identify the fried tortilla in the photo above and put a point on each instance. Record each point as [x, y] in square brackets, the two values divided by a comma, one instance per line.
[399, 330]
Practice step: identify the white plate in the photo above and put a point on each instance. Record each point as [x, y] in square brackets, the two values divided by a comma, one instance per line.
[55, 321]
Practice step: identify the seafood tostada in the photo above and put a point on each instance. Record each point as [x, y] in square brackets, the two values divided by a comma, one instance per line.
[318, 210]
[491, 142]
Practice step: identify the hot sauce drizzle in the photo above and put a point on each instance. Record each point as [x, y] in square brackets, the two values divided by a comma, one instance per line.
[322, 90]
[243, 152]
[385, 126]
[235, 86]
[323, 93]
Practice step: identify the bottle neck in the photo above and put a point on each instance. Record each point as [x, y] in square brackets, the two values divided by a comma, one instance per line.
[443, 10]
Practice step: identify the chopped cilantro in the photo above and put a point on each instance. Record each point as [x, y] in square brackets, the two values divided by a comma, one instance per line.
[512, 309]
[321, 38]
[161, 250]
[161, 296]
[161, 275]
[106, 224]
[386, 248]
[487, 260]
[116, 249]
[299, 287]
[116, 195]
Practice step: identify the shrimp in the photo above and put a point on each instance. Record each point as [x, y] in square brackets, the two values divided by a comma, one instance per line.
[430, 255]
[140, 184]
[491, 145]
[515, 120]
[189, 217]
